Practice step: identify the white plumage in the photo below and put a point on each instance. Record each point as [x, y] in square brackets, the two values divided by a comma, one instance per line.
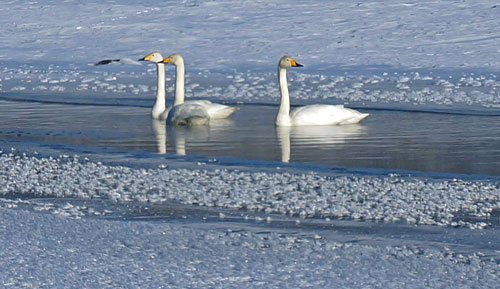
[318, 114]
[215, 110]
[190, 114]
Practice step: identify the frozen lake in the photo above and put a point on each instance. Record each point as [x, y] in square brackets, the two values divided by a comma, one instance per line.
[93, 194]
[387, 139]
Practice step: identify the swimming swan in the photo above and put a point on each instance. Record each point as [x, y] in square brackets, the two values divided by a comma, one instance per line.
[215, 110]
[178, 114]
[318, 114]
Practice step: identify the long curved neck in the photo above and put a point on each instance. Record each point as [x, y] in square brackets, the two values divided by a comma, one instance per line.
[179, 82]
[283, 117]
[159, 106]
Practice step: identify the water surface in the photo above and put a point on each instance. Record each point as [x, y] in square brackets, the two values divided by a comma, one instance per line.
[393, 140]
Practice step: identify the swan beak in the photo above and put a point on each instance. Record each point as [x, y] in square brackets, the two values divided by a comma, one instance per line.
[296, 64]
[167, 60]
[146, 58]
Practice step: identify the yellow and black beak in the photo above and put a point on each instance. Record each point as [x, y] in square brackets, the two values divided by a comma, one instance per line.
[295, 63]
[167, 60]
[146, 58]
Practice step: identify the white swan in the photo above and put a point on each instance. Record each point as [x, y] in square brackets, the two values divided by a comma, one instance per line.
[318, 114]
[182, 114]
[215, 110]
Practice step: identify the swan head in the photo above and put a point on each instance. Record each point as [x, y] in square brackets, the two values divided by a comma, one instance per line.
[287, 61]
[173, 59]
[154, 57]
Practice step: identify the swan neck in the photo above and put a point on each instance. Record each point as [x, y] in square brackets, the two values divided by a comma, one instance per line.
[159, 106]
[179, 82]
[283, 117]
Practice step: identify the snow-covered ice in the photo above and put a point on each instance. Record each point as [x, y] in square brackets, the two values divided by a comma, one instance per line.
[439, 56]
[43, 251]
[72, 245]
[443, 53]
[389, 198]
[213, 34]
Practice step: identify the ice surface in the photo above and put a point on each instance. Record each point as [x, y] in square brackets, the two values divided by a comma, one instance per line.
[426, 55]
[44, 251]
[363, 53]
[369, 91]
[389, 198]
[239, 33]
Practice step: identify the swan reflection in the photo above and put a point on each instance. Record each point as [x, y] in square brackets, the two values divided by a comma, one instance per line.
[168, 136]
[160, 132]
[312, 138]
[164, 134]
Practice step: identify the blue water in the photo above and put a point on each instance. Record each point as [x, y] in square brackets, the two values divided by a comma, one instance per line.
[399, 140]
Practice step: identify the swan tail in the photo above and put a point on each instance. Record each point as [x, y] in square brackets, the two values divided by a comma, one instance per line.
[225, 112]
[229, 110]
[355, 119]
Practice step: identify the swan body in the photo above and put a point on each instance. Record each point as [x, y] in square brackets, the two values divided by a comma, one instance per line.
[189, 114]
[318, 114]
[215, 110]
[179, 114]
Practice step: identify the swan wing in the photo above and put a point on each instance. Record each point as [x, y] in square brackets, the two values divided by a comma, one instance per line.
[215, 110]
[188, 114]
[325, 115]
